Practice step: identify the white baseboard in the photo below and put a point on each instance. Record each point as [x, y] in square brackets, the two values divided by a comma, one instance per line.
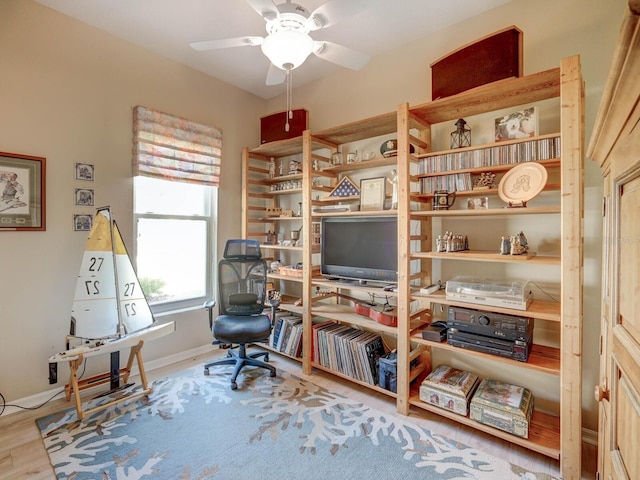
[38, 399]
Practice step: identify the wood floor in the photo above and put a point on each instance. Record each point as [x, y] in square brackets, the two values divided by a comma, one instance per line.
[22, 454]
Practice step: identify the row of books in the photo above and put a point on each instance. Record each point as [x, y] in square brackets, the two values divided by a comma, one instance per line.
[457, 182]
[528, 151]
[286, 335]
[348, 350]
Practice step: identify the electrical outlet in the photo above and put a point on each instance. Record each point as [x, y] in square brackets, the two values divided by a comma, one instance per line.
[53, 373]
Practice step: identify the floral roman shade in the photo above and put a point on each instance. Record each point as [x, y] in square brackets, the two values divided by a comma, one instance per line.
[174, 148]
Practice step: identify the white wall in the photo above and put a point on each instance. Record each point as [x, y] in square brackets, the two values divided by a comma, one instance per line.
[552, 30]
[66, 93]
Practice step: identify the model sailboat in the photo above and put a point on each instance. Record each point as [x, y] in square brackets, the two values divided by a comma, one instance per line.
[109, 313]
[109, 301]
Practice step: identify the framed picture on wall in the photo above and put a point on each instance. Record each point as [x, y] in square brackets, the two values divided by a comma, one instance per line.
[85, 171]
[22, 183]
[84, 197]
[82, 222]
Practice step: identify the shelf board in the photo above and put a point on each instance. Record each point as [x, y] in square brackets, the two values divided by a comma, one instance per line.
[281, 178]
[507, 93]
[272, 349]
[371, 127]
[541, 357]
[346, 314]
[277, 276]
[283, 192]
[286, 147]
[362, 165]
[542, 309]
[491, 145]
[413, 374]
[550, 163]
[490, 256]
[288, 306]
[487, 212]
[351, 379]
[330, 199]
[279, 148]
[336, 284]
[280, 247]
[423, 197]
[274, 219]
[355, 213]
[544, 429]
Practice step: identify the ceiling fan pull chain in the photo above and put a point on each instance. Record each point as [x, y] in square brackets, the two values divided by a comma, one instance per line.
[289, 112]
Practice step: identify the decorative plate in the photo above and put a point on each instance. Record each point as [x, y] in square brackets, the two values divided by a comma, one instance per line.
[522, 183]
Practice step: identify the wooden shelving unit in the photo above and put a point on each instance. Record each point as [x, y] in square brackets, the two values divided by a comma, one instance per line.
[558, 437]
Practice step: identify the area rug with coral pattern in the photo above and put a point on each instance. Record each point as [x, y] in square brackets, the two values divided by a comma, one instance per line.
[195, 427]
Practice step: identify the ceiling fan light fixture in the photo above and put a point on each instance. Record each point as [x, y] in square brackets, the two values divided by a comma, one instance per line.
[287, 49]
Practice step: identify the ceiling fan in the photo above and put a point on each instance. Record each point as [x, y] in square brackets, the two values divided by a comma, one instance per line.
[288, 43]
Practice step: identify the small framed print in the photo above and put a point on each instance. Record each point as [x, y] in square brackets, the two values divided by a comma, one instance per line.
[477, 203]
[372, 193]
[82, 222]
[84, 197]
[85, 171]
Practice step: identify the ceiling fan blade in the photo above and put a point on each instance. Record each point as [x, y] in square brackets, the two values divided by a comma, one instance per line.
[265, 8]
[343, 56]
[334, 11]
[226, 43]
[275, 75]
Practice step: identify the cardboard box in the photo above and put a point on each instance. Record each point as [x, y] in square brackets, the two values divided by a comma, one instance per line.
[504, 406]
[449, 388]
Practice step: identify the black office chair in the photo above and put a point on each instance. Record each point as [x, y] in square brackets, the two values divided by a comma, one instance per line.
[242, 282]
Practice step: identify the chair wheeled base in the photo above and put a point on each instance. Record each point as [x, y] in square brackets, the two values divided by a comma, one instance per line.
[239, 358]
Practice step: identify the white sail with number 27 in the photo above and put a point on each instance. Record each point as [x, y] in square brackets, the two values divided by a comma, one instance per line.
[109, 301]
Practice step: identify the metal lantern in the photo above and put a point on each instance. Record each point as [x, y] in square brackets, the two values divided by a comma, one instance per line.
[461, 137]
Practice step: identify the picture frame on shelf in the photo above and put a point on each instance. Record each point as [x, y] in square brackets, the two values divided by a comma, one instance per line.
[517, 125]
[478, 203]
[372, 193]
[23, 201]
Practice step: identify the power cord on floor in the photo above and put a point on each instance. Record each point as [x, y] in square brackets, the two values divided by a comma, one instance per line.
[4, 405]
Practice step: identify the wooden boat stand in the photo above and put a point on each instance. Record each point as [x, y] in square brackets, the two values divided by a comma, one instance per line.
[75, 386]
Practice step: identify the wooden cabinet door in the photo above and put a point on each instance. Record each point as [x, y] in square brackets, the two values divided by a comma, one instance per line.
[615, 145]
[624, 347]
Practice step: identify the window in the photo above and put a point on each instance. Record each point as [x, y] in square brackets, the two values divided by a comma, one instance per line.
[176, 168]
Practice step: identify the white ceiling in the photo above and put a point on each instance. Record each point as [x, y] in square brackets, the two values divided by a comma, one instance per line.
[168, 26]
